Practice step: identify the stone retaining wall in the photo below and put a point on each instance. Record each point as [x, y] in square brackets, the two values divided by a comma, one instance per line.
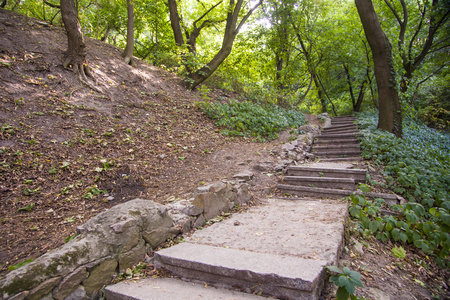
[115, 240]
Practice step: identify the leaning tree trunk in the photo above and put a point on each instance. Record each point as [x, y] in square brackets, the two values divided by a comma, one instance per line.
[232, 28]
[128, 52]
[390, 115]
[76, 49]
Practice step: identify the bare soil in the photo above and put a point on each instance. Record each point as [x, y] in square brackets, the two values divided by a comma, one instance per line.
[68, 152]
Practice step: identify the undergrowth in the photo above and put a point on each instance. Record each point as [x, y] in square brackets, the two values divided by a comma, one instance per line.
[251, 119]
[418, 168]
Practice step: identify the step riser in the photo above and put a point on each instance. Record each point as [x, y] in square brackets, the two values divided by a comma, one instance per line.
[359, 177]
[355, 152]
[343, 122]
[320, 184]
[350, 142]
[340, 131]
[325, 147]
[217, 265]
[340, 159]
[344, 136]
[314, 192]
[341, 127]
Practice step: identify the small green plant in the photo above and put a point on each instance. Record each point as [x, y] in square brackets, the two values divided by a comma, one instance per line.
[399, 252]
[70, 237]
[21, 264]
[92, 192]
[29, 207]
[346, 280]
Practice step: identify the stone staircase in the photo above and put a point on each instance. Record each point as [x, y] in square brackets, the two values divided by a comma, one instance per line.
[338, 142]
[278, 249]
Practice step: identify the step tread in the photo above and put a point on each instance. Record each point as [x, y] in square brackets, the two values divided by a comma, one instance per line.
[319, 179]
[170, 289]
[334, 170]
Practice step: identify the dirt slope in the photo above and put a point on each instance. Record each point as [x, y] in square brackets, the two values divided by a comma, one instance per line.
[63, 146]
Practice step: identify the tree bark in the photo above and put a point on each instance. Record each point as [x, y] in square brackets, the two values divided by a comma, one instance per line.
[76, 49]
[175, 22]
[390, 117]
[128, 52]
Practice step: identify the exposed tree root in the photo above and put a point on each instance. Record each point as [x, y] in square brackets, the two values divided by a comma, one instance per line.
[83, 72]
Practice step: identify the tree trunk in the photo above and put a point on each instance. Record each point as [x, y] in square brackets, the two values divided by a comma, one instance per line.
[362, 92]
[390, 117]
[231, 30]
[76, 49]
[175, 23]
[128, 52]
[350, 87]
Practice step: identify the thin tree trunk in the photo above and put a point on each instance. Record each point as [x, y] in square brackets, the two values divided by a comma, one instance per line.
[76, 48]
[350, 87]
[175, 22]
[390, 115]
[128, 52]
[362, 92]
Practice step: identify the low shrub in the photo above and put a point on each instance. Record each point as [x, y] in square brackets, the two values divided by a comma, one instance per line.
[252, 120]
[418, 168]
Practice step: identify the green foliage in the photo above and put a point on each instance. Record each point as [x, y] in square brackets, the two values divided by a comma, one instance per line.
[399, 252]
[251, 119]
[21, 264]
[346, 280]
[418, 167]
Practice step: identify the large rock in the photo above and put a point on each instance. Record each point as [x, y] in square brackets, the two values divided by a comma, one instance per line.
[122, 230]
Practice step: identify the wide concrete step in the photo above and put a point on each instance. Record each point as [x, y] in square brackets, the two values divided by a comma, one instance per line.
[336, 147]
[331, 136]
[335, 141]
[303, 191]
[321, 182]
[337, 153]
[170, 289]
[359, 175]
[340, 131]
[341, 159]
[278, 249]
[340, 127]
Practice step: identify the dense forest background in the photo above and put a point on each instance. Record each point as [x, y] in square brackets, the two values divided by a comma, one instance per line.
[312, 55]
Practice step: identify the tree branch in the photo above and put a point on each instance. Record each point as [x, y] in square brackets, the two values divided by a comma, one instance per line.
[245, 18]
[51, 4]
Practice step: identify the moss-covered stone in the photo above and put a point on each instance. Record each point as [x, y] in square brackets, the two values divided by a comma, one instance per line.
[100, 276]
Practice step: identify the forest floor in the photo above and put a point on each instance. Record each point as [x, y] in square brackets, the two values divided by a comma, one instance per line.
[68, 153]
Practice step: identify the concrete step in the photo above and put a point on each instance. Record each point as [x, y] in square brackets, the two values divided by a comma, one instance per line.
[321, 182]
[170, 289]
[340, 127]
[279, 249]
[318, 141]
[359, 175]
[303, 191]
[343, 136]
[341, 159]
[342, 122]
[336, 147]
[337, 153]
[332, 193]
[340, 131]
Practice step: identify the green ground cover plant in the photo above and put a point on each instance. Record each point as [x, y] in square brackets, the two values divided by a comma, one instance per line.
[249, 119]
[418, 168]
